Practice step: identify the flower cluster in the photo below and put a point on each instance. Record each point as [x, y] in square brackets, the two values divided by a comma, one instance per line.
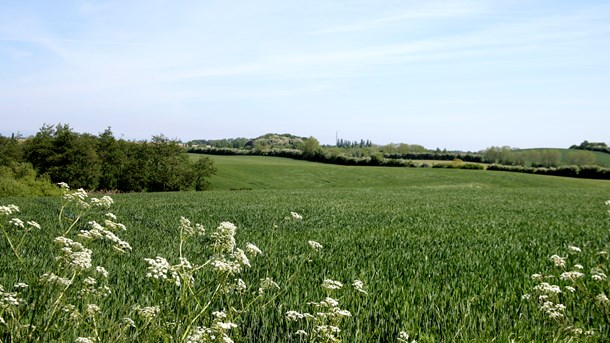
[98, 232]
[218, 332]
[326, 318]
[403, 337]
[74, 254]
[574, 288]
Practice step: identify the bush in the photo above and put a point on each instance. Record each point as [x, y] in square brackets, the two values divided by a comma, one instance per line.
[20, 180]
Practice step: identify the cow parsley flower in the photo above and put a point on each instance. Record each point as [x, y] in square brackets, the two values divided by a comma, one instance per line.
[296, 216]
[315, 245]
[359, 286]
[403, 337]
[102, 271]
[558, 261]
[548, 288]
[572, 276]
[602, 298]
[21, 285]
[17, 222]
[266, 284]
[253, 249]
[574, 249]
[149, 312]
[105, 201]
[54, 279]
[331, 284]
[8, 209]
[74, 254]
[84, 340]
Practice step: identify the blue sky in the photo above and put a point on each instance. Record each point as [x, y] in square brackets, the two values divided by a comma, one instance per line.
[451, 74]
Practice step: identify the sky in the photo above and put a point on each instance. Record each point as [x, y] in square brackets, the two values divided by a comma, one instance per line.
[457, 75]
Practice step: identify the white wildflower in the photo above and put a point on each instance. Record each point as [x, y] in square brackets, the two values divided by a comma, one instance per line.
[554, 311]
[84, 340]
[315, 245]
[548, 288]
[224, 266]
[574, 249]
[589, 333]
[537, 277]
[105, 201]
[294, 315]
[54, 279]
[74, 254]
[267, 283]
[359, 286]
[300, 333]
[160, 269]
[89, 281]
[224, 237]
[225, 326]
[21, 285]
[219, 314]
[579, 266]
[93, 309]
[602, 298]
[17, 222]
[558, 261]
[240, 286]
[8, 209]
[331, 284]
[403, 337]
[128, 322]
[102, 271]
[598, 274]
[526, 296]
[241, 257]
[296, 216]
[573, 275]
[570, 289]
[149, 312]
[253, 249]
[63, 185]
[111, 216]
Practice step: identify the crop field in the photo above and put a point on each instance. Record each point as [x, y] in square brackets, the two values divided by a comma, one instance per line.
[443, 255]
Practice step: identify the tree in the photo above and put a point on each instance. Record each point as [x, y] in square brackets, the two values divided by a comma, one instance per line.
[311, 147]
[581, 158]
[112, 160]
[202, 169]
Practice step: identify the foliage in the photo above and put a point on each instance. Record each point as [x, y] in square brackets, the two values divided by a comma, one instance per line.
[105, 163]
[20, 180]
[589, 172]
[593, 146]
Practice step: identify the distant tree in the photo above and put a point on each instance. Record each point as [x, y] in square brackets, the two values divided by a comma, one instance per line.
[202, 170]
[10, 150]
[311, 147]
[550, 158]
[581, 158]
[593, 146]
[112, 160]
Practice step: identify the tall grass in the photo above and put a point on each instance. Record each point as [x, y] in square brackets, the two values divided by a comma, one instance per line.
[445, 261]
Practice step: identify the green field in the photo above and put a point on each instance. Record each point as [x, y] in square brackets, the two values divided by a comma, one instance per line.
[444, 254]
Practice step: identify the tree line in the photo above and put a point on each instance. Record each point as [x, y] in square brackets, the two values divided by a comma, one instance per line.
[593, 146]
[105, 163]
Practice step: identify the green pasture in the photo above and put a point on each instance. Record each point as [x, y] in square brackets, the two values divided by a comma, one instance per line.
[444, 254]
